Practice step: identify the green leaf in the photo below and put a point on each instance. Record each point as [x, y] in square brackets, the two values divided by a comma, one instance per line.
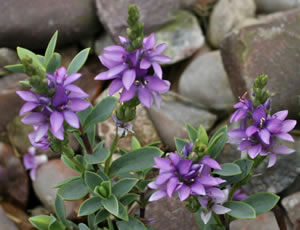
[245, 166]
[217, 142]
[143, 185]
[192, 132]
[54, 63]
[91, 222]
[98, 156]
[123, 186]
[78, 61]
[132, 224]
[68, 162]
[41, 58]
[50, 48]
[92, 180]
[60, 209]
[202, 135]
[262, 202]
[60, 184]
[102, 111]
[228, 169]
[17, 68]
[84, 114]
[40, 222]
[135, 144]
[55, 224]
[122, 214]
[240, 210]
[101, 216]
[129, 198]
[83, 227]
[111, 205]
[134, 161]
[180, 143]
[22, 53]
[74, 190]
[89, 206]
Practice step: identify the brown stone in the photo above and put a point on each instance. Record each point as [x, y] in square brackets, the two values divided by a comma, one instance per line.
[292, 206]
[270, 48]
[5, 222]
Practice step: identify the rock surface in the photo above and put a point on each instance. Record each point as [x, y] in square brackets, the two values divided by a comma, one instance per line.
[226, 15]
[205, 81]
[7, 57]
[38, 20]
[269, 6]
[292, 206]
[174, 113]
[258, 50]
[170, 214]
[183, 36]
[14, 184]
[47, 176]
[5, 222]
[113, 14]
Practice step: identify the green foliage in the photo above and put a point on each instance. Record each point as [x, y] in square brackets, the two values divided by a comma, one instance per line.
[135, 161]
[135, 144]
[261, 95]
[40, 222]
[60, 210]
[74, 190]
[240, 210]
[78, 61]
[228, 169]
[123, 186]
[98, 156]
[132, 224]
[50, 49]
[111, 205]
[262, 202]
[83, 227]
[192, 132]
[180, 143]
[54, 63]
[101, 216]
[129, 198]
[135, 29]
[92, 180]
[217, 142]
[90, 206]
[17, 68]
[245, 166]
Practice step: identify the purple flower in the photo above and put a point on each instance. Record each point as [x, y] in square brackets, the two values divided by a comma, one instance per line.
[244, 107]
[122, 127]
[129, 71]
[50, 113]
[213, 204]
[32, 162]
[187, 149]
[260, 136]
[184, 177]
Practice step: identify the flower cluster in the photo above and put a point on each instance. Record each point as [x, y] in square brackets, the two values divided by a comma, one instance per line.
[259, 130]
[130, 71]
[49, 113]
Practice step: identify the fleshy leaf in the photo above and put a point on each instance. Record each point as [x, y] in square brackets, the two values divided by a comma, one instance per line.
[90, 206]
[111, 205]
[192, 132]
[92, 180]
[78, 61]
[98, 156]
[228, 169]
[123, 186]
[180, 143]
[74, 190]
[50, 48]
[40, 222]
[240, 210]
[132, 224]
[217, 142]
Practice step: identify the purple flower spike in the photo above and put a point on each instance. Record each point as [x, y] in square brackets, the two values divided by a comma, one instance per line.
[31, 161]
[129, 71]
[182, 176]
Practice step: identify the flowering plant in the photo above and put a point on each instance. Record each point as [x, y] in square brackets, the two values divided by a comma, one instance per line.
[108, 188]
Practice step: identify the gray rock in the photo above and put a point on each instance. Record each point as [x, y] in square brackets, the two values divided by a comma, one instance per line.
[292, 206]
[183, 36]
[174, 113]
[32, 24]
[113, 14]
[205, 81]
[226, 15]
[258, 49]
[170, 214]
[269, 6]
[7, 57]
[47, 176]
[5, 222]
[103, 41]
[264, 221]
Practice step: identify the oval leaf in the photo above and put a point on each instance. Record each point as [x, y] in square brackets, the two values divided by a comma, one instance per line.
[123, 186]
[101, 216]
[180, 143]
[134, 161]
[240, 210]
[217, 142]
[78, 61]
[262, 202]
[74, 190]
[228, 169]
[98, 156]
[40, 222]
[89, 206]
[60, 209]
[132, 224]
[111, 205]
[92, 180]
[50, 48]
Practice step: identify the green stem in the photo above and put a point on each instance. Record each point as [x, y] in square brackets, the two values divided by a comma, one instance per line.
[232, 191]
[217, 218]
[112, 150]
[110, 224]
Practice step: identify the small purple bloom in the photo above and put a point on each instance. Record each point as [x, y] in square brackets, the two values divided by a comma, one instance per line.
[184, 177]
[187, 149]
[122, 127]
[32, 162]
[244, 107]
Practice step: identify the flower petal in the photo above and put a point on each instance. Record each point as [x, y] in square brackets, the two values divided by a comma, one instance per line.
[104, 76]
[171, 186]
[205, 216]
[163, 163]
[157, 69]
[128, 78]
[28, 96]
[272, 160]
[76, 92]
[116, 70]
[72, 119]
[145, 64]
[153, 185]
[219, 209]
[163, 178]
[254, 151]
[145, 97]
[184, 166]
[198, 188]
[244, 145]
[259, 113]
[56, 121]
[288, 125]
[41, 132]
[161, 59]
[33, 118]
[282, 149]
[149, 42]
[156, 84]
[115, 86]
[285, 137]
[251, 130]
[274, 125]
[71, 78]
[126, 95]
[27, 107]
[59, 134]
[157, 195]
[264, 134]
[211, 162]
[281, 115]
[237, 133]
[78, 104]
[184, 192]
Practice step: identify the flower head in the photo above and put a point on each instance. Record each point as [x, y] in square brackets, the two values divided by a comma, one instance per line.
[123, 127]
[32, 162]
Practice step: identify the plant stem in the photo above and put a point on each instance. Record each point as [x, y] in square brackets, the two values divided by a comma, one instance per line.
[110, 224]
[217, 218]
[86, 141]
[112, 150]
[232, 191]
[279, 215]
[142, 207]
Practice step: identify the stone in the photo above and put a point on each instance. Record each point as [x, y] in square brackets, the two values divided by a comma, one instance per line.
[32, 25]
[170, 214]
[47, 176]
[14, 185]
[143, 128]
[103, 41]
[266, 221]
[205, 82]
[270, 6]
[259, 49]
[10, 102]
[5, 222]
[292, 206]
[7, 57]
[183, 36]
[172, 116]
[113, 14]
[226, 15]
